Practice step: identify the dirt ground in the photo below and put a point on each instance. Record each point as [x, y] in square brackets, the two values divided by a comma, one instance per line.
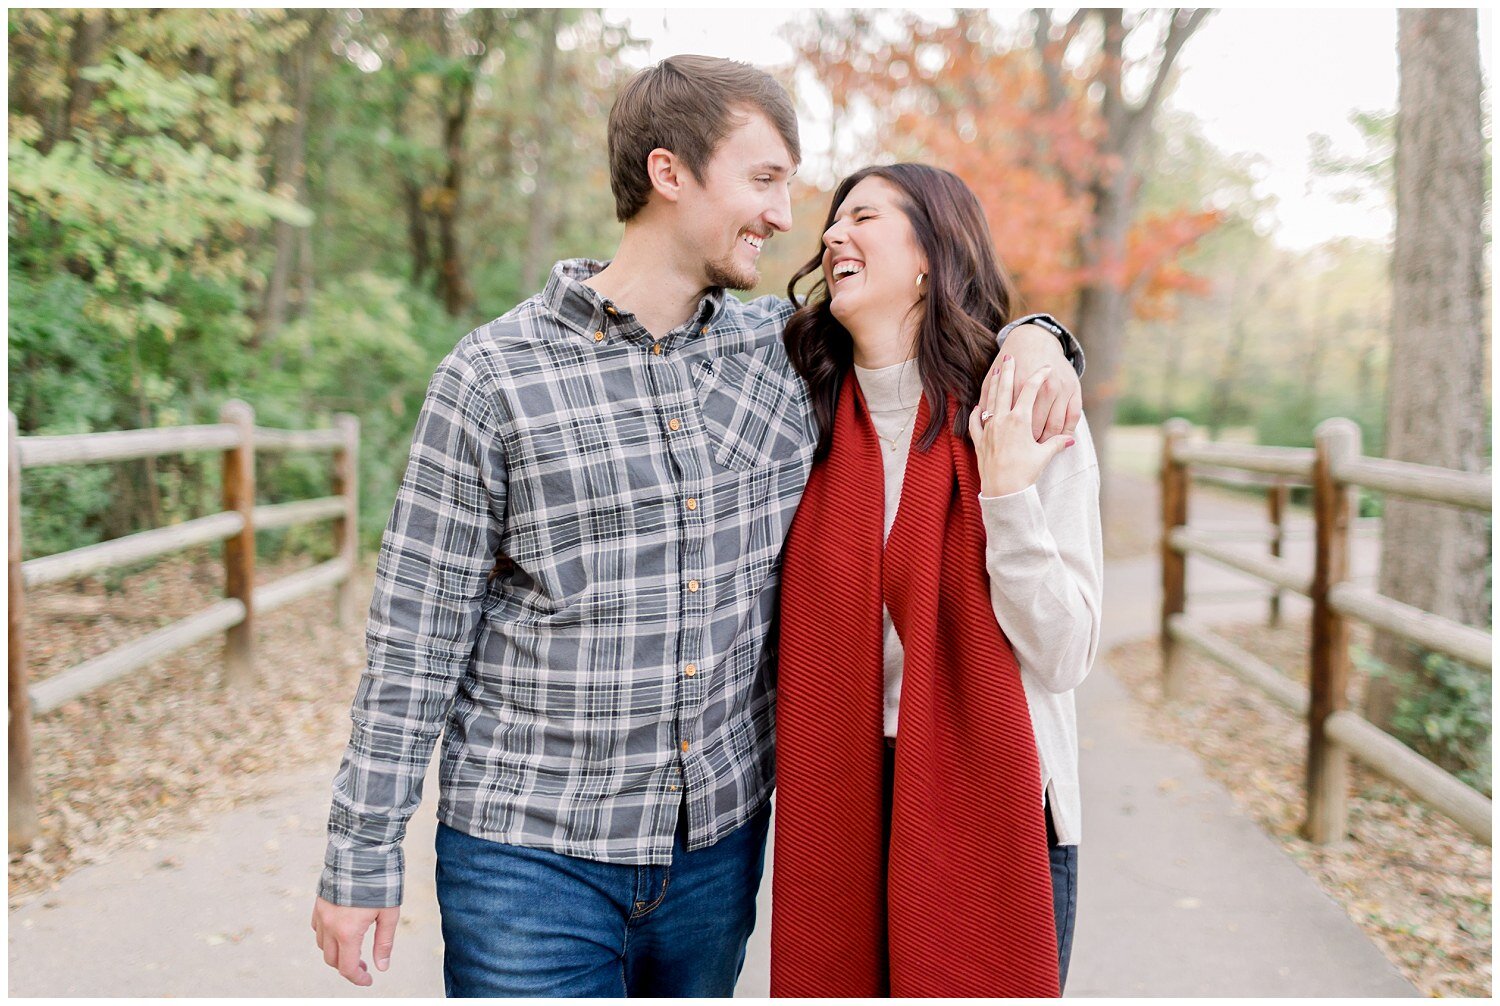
[170, 745]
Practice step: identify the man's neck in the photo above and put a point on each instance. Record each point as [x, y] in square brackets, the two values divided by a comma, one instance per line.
[645, 279]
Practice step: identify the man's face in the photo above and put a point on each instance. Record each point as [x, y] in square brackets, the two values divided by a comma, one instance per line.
[744, 198]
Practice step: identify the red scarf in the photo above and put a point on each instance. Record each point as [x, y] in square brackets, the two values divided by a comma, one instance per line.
[963, 907]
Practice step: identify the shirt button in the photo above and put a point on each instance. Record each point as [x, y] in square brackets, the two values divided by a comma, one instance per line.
[703, 330]
[692, 586]
[674, 425]
[611, 310]
[689, 670]
[598, 336]
[656, 348]
[692, 504]
[672, 789]
[684, 746]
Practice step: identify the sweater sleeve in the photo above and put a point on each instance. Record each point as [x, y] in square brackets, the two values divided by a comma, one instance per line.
[1045, 557]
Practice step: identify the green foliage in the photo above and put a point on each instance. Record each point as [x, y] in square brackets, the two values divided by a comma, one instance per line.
[1446, 716]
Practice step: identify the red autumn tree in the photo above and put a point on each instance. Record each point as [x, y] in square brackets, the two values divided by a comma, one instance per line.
[1043, 130]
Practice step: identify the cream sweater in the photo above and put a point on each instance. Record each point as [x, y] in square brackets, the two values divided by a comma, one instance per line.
[1045, 560]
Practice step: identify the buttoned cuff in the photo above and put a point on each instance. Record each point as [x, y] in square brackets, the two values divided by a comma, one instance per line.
[362, 878]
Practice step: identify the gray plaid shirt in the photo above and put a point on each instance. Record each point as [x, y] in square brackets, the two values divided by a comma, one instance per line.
[620, 670]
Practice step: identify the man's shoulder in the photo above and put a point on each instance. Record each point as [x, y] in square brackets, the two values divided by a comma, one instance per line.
[762, 319]
[769, 310]
[521, 329]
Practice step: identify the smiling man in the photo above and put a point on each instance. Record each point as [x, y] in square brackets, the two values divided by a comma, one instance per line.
[578, 584]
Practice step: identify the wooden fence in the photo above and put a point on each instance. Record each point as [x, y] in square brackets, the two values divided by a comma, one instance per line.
[240, 439]
[1334, 469]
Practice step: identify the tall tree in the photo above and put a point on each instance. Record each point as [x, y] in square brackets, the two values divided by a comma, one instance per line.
[1432, 557]
[541, 221]
[1112, 179]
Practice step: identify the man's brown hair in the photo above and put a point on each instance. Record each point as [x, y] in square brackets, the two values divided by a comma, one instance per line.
[687, 104]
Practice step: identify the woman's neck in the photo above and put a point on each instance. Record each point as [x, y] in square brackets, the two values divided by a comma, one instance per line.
[883, 343]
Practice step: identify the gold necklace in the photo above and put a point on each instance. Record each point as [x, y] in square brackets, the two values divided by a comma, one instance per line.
[896, 440]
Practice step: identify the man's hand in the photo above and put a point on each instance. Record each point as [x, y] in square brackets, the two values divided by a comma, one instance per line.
[1059, 399]
[341, 932]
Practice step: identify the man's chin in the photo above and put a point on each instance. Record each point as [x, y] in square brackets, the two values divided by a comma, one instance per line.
[732, 277]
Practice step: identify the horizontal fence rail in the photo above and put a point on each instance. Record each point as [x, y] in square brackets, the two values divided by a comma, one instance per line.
[1335, 470]
[124, 445]
[239, 439]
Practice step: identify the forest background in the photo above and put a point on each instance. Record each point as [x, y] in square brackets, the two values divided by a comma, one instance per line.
[307, 209]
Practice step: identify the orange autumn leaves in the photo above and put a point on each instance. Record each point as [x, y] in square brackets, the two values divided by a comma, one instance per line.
[961, 97]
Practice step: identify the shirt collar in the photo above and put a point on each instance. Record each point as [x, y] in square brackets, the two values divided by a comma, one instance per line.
[585, 309]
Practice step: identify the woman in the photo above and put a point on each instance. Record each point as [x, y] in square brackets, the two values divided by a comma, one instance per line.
[940, 584]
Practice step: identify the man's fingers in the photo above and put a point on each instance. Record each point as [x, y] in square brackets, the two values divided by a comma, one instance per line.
[1026, 400]
[349, 964]
[385, 936]
[1057, 417]
[1074, 413]
[330, 948]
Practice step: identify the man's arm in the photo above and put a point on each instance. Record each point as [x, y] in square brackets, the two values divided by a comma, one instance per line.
[1036, 341]
[430, 582]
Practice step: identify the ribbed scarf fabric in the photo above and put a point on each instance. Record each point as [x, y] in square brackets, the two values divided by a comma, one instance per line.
[963, 904]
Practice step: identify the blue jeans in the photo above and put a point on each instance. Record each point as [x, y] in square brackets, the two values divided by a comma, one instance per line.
[529, 922]
[1064, 895]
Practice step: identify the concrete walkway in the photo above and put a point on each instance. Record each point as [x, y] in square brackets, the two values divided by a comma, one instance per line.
[1180, 894]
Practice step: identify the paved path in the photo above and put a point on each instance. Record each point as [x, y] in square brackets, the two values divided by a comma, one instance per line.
[1180, 893]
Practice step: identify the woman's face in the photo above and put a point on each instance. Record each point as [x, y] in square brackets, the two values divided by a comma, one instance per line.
[871, 259]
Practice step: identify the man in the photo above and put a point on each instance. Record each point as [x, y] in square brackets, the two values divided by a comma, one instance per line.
[579, 581]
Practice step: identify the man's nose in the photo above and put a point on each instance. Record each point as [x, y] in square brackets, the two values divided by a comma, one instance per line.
[780, 215]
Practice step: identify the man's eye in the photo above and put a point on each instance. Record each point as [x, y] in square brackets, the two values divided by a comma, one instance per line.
[765, 179]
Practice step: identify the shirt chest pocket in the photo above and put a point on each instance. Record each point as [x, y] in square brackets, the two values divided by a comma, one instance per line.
[753, 407]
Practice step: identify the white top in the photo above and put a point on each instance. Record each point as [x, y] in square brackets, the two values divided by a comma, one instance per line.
[1045, 558]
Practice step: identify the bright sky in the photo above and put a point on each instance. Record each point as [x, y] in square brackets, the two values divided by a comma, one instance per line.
[1260, 81]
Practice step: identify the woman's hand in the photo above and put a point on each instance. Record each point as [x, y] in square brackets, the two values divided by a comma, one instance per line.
[1009, 459]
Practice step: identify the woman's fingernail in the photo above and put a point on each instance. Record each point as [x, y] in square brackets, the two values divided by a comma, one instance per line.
[1005, 358]
[1070, 443]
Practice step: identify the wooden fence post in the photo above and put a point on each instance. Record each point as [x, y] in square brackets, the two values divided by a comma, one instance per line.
[1334, 508]
[346, 528]
[23, 816]
[239, 551]
[1278, 499]
[1174, 513]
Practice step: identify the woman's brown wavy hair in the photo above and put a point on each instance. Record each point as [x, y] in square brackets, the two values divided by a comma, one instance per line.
[968, 300]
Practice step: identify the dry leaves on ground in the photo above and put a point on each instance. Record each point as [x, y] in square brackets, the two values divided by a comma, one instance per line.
[169, 745]
[1408, 876]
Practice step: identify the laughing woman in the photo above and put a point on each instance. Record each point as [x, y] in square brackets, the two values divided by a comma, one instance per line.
[940, 602]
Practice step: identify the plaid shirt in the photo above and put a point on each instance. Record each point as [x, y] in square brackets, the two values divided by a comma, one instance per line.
[621, 669]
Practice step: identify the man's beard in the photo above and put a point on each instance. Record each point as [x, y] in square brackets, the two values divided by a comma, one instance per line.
[731, 275]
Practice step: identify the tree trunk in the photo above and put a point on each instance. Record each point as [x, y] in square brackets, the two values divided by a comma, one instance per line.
[290, 176]
[540, 226]
[1433, 557]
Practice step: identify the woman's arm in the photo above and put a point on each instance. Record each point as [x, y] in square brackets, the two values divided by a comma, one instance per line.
[1044, 555]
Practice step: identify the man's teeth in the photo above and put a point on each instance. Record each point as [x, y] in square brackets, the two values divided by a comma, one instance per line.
[753, 240]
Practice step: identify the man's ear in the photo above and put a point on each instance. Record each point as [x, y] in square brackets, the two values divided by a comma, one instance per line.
[665, 172]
